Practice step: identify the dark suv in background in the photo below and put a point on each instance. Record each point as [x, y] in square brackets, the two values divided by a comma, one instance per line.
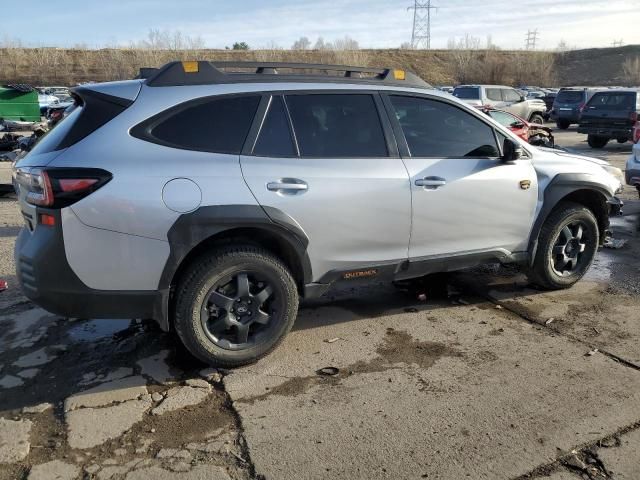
[610, 114]
[569, 105]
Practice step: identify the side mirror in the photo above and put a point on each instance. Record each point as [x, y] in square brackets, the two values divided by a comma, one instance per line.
[511, 150]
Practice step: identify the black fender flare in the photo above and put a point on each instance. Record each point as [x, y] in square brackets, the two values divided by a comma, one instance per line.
[561, 186]
[192, 229]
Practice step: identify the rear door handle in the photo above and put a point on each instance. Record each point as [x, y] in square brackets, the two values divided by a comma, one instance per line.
[430, 182]
[288, 185]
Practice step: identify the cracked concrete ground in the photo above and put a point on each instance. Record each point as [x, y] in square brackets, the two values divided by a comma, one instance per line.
[498, 380]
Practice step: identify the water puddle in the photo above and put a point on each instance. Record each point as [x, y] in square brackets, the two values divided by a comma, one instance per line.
[92, 330]
[600, 270]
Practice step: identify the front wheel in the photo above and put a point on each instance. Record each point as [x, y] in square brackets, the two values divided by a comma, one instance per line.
[537, 118]
[235, 305]
[567, 245]
[595, 141]
[563, 124]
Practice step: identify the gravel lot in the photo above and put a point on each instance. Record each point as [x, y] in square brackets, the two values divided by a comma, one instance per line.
[488, 380]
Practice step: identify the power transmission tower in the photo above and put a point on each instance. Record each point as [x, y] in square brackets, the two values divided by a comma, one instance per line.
[532, 39]
[617, 43]
[421, 34]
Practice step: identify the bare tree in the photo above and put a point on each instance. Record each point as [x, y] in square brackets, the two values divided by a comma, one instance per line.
[346, 43]
[303, 43]
[631, 69]
[464, 56]
[320, 45]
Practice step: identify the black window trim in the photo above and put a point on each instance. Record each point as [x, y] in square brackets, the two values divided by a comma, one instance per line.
[402, 141]
[143, 129]
[254, 131]
[258, 122]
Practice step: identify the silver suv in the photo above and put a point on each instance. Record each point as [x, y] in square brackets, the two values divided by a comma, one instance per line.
[212, 197]
[503, 98]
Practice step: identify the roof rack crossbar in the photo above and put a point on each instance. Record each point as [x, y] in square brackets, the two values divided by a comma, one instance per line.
[174, 73]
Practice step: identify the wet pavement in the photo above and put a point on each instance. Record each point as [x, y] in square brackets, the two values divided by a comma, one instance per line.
[484, 378]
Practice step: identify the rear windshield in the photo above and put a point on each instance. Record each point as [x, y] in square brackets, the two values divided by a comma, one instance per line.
[613, 101]
[470, 93]
[54, 138]
[570, 96]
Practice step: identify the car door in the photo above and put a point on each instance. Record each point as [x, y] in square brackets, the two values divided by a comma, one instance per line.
[513, 102]
[465, 199]
[325, 160]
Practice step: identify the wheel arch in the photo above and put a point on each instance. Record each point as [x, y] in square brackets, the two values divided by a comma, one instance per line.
[578, 188]
[196, 233]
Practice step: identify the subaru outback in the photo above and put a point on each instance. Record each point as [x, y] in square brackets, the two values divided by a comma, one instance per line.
[212, 197]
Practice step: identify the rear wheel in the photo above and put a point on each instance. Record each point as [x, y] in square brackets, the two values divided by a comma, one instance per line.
[537, 118]
[563, 124]
[235, 306]
[567, 245]
[595, 141]
[621, 140]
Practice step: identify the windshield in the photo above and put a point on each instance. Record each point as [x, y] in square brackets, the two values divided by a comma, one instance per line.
[570, 96]
[471, 93]
[613, 101]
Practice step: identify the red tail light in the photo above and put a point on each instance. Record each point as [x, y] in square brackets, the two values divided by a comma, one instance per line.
[59, 187]
[633, 116]
[636, 133]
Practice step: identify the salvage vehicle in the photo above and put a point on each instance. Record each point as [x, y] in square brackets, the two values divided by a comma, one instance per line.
[632, 169]
[502, 98]
[256, 185]
[610, 114]
[569, 104]
[533, 133]
[19, 102]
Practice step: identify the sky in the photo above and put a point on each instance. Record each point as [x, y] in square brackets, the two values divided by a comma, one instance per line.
[373, 23]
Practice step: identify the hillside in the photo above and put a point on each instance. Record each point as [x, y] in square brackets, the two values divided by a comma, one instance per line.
[49, 66]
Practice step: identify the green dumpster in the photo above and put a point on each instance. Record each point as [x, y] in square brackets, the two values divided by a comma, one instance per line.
[17, 104]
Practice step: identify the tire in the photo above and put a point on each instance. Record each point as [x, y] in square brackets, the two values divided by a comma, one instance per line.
[595, 141]
[621, 140]
[537, 118]
[213, 291]
[548, 270]
[563, 124]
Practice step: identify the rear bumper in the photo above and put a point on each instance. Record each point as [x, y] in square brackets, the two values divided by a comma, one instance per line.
[604, 131]
[47, 279]
[632, 177]
[569, 116]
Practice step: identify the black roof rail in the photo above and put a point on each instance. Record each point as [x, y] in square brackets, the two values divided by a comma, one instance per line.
[200, 72]
[147, 72]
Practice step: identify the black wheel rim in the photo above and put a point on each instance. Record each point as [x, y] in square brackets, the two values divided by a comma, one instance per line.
[240, 310]
[570, 249]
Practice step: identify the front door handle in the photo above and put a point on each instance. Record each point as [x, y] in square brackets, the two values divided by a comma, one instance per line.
[430, 182]
[288, 185]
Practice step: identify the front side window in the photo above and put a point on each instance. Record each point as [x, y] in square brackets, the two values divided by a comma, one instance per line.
[494, 94]
[337, 125]
[439, 130]
[213, 125]
[510, 95]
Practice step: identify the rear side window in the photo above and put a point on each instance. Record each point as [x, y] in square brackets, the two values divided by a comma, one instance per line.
[54, 138]
[439, 130]
[570, 96]
[467, 93]
[274, 139]
[613, 101]
[343, 125]
[217, 125]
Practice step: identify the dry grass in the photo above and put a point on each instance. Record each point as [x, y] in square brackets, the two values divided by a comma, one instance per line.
[48, 66]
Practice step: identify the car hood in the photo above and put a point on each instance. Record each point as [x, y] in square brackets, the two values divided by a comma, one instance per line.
[564, 157]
